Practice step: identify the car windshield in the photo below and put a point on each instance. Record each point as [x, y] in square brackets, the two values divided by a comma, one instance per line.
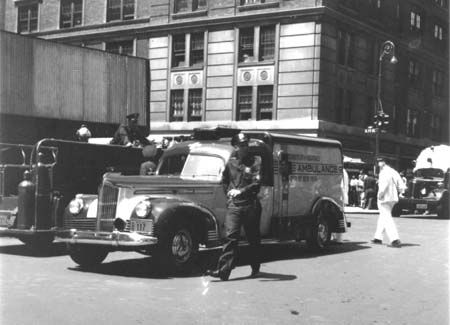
[429, 172]
[203, 167]
[172, 165]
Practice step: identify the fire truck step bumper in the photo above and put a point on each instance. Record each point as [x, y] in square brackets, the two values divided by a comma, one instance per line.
[14, 232]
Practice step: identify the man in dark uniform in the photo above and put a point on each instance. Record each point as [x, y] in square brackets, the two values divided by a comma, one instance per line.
[370, 191]
[241, 182]
[129, 134]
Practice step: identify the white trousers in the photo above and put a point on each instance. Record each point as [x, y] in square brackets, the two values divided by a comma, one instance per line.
[386, 222]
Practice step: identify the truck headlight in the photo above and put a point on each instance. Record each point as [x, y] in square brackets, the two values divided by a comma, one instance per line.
[143, 209]
[75, 206]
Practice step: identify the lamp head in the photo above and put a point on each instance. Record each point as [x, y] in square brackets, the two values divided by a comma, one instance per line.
[394, 60]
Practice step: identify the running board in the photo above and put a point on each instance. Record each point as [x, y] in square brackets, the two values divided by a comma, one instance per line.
[243, 243]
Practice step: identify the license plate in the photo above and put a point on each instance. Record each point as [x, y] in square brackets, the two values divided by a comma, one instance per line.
[7, 220]
[141, 225]
[422, 206]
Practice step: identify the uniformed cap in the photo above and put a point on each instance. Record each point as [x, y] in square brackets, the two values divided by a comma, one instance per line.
[133, 116]
[381, 159]
[239, 139]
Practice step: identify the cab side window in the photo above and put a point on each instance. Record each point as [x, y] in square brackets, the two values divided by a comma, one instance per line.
[172, 165]
[266, 167]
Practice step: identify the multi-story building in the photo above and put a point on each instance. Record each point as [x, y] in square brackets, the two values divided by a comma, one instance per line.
[304, 66]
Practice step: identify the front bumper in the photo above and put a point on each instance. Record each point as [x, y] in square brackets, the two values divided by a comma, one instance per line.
[413, 204]
[114, 239]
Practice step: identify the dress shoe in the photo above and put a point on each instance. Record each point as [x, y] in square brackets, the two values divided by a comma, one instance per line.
[396, 243]
[213, 273]
[216, 274]
[255, 273]
[376, 241]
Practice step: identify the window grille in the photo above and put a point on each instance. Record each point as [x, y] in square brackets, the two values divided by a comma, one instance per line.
[195, 105]
[176, 105]
[265, 102]
[244, 104]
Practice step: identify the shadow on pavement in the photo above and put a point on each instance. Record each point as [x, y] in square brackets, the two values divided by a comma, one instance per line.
[146, 268]
[137, 268]
[264, 277]
[55, 249]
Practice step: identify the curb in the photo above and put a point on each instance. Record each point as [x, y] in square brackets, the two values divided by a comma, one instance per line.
[353, 210]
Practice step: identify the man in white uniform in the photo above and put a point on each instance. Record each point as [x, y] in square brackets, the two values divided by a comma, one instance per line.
[390, 184]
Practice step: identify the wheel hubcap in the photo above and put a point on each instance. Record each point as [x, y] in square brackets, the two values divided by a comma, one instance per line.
[182, 246]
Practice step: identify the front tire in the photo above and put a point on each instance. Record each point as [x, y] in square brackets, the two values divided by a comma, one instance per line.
[87, 255]
[38, 242]
[177, 249]
[443, 207]
[319, 234]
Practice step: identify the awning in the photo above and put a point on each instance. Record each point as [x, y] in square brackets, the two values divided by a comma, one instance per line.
[351, 160]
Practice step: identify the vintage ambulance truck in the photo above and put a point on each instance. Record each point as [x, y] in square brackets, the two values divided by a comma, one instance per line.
[181, 209]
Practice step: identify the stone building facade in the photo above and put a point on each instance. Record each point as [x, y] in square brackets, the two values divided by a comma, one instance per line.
[303, 66]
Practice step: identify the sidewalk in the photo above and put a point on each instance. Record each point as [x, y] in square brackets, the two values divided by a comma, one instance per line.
[350, 210]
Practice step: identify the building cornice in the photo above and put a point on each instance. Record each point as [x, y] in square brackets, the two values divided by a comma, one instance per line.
[142, 28]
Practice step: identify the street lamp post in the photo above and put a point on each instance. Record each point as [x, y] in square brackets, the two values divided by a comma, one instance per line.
[387, 48]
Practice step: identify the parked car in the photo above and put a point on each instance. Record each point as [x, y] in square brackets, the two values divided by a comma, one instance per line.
[181, 209]
[428, 190]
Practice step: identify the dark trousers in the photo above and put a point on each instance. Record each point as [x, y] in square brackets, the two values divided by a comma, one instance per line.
[371, 199]
[237, 216]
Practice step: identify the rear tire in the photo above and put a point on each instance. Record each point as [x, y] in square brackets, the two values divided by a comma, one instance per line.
[87, 255]
[319, 234]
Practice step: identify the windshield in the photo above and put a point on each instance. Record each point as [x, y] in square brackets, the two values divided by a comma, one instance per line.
[203, 167]
[429, 172]
[172, 165]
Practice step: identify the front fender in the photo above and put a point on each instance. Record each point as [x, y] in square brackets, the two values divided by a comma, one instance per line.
[341, 221]
[199, 217]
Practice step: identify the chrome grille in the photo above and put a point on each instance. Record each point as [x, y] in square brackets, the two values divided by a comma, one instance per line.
[79, 223]
[107, 206]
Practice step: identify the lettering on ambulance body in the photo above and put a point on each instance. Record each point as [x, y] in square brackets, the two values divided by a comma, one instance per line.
[309, 168]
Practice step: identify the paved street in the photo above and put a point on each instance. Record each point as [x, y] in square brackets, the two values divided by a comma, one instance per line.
[355, 283]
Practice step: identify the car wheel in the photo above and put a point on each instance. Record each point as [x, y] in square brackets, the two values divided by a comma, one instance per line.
[319, 234]
[87, 255]
[396, 211]
[177, 249]
[443, 207]
[38, 242]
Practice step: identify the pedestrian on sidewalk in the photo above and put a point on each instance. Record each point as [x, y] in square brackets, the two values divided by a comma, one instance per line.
[390, 185]
[370, 191]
